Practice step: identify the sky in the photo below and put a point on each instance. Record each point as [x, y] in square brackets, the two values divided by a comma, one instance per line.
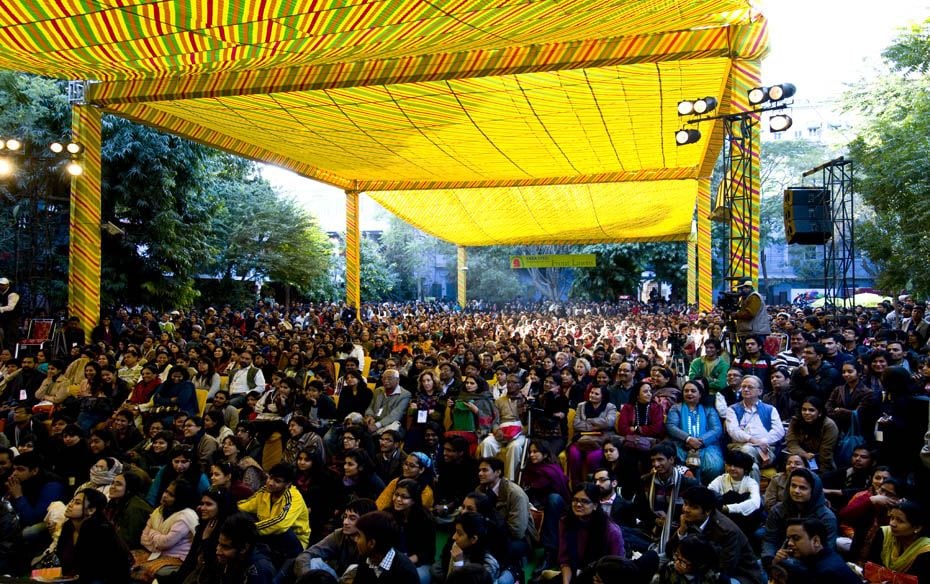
[819, 45]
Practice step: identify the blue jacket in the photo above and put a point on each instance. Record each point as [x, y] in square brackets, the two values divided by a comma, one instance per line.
[181, 394]
[37, 496]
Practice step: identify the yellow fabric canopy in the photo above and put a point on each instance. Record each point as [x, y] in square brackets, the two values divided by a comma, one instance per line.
[512, 121]
[604, 212]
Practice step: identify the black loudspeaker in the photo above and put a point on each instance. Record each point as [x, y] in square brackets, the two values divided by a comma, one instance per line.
[808, 216]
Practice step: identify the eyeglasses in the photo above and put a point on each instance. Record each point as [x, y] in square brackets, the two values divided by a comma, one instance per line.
[680, 560]
[401, 496]
[582, 502]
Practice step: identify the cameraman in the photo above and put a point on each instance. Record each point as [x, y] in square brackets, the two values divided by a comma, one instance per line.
[752, 320]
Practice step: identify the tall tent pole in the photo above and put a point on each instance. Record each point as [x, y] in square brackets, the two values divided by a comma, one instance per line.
[84, 244]
[353, 252]
[704, 266]
[462, 272]
[692, 265]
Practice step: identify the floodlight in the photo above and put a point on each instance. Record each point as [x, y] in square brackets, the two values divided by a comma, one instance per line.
[6, 167]
[74, 148]
[780, 92]
[684, 136]
[779, 123]
[685, 108]
[57, 147]
[705, 105]
[758, 95]
[74, 168]
[13, 144]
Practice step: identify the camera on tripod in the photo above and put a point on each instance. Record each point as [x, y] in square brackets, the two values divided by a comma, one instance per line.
[676, 342]
[729, 301]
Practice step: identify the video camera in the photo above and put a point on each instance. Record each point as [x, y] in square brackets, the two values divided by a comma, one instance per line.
[676, 342]
[729, 301]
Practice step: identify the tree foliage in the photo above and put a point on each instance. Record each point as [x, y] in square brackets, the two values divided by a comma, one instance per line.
[892, 155]
[154, 188]
[171, 197]
[378, 277]
[620, 266]
[489, 275]
[34, 208]
[263, 236]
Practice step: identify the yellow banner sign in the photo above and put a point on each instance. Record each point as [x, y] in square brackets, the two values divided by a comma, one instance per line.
[579, 260]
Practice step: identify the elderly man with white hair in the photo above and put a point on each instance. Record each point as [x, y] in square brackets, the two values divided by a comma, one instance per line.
[388, 405]
[754, 426]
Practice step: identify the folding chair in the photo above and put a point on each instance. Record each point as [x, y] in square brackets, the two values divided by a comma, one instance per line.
[38, 333]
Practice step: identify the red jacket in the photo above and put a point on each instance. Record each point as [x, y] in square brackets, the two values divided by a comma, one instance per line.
[654, 429]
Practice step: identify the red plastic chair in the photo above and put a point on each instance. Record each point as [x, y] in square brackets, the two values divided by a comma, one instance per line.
[39, 332]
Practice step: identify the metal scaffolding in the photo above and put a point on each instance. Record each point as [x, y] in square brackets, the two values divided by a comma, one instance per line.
[734, 206]
[839, 254]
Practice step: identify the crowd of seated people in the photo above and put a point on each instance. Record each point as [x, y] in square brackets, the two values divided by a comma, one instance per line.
[416, 443]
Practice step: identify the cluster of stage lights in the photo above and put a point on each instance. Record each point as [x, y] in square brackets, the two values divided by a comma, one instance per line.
[74, 150]
[758, 98]
[14, 147]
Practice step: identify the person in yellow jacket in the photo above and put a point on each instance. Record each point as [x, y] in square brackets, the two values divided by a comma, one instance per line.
[283, 520]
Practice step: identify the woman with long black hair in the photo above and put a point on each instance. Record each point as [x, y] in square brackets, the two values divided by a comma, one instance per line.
[586, 534]
[207, 377]
[89, 547]
[467, 545]
[813, 435]
[181, 466]
[319, 487]
[359, 478]
[127, 508]
[417, 530]
[215, 506]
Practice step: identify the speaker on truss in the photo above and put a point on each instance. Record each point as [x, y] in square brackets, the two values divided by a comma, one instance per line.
[808, 216]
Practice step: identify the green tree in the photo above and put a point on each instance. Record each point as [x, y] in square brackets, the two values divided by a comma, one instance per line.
[262, 236]
[489, 275]
[155, 189]
[619, 266]
[34, 198]
[377, 275]
[892, 159]
[616, 274]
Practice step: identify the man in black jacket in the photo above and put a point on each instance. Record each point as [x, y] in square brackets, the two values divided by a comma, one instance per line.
[458, 475]
[699, 516]
[807, 560]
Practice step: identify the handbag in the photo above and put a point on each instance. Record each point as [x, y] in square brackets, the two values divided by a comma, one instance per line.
[590, 440]
[693, 460]
[851, 440]
[637, 442]
[878, 574]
